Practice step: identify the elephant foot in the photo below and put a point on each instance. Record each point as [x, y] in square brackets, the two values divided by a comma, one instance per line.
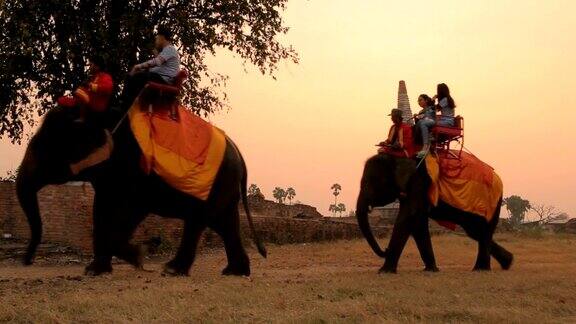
[172, 269]
[431, 269]
[387, 269]
[135, 256]
[97, 268]
[28, 259]
[481, 268]
[506, 264]
[236, 271]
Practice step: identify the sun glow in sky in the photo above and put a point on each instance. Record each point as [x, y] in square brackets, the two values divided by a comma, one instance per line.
[510, 65]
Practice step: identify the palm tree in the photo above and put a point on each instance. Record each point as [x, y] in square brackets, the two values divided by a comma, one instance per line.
[290, 194]
[336, 191]
[279, 194]
[341, 208]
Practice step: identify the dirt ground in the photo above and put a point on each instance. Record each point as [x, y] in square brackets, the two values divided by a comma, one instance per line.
[310, 283]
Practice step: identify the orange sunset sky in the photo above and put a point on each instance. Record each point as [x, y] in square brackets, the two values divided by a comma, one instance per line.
[511, 66]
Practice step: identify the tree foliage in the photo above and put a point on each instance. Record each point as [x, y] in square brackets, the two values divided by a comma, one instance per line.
[341, 208]
[279, 194]
[253, 189]
[336, 188]
[290, 194]
[45, 45]
[337, 208]
[254, 192]
[9, 177]
[517, 208]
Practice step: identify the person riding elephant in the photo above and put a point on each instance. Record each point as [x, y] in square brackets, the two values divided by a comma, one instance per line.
[379, 187]
[92, 98]
[425, 120]
[399, 143]
[446, 105]
[162, 68]
[64, 149]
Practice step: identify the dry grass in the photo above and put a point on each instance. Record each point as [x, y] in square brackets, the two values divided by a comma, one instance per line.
[314, 283]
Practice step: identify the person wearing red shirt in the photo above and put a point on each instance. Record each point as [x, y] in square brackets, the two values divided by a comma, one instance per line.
[94, 95]
[400, 142]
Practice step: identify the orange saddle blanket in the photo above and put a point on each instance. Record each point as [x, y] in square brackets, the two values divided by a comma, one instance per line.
[466, 183]
[186, 153]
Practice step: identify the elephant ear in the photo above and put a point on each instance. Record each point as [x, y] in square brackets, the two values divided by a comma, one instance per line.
[98, 155]
[405, 169]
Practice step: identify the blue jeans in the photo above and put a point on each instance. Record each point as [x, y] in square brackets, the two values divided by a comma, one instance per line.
[425, 124]
[446, 121]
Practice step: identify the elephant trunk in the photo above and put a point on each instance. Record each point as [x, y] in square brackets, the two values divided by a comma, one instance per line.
[362, 217]
[27, 187]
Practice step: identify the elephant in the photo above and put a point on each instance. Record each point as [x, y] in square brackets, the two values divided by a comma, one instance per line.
[124, 194]
[383, 176]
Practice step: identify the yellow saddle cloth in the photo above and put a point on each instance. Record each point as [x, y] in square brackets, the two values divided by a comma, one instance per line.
[467, 184]
[186, 153]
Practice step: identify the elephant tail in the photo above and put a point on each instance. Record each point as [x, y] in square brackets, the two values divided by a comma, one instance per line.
[244, 193]
[362, 217]
[257, 241]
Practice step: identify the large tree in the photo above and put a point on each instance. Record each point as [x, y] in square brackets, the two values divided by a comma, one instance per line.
[45, 44]
[517, 208]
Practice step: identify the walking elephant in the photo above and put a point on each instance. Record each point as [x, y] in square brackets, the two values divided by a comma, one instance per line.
[382, 179]
[125, 195]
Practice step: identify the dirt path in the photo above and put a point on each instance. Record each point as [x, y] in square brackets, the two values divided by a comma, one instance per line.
[331, 282]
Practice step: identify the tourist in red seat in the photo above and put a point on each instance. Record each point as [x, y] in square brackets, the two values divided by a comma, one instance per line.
[425, 120]
[399, 140]
[445, 105]
[93, 96]
[400, 143]
[163, 68]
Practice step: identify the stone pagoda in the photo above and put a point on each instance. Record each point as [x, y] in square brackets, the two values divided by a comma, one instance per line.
[404, 103]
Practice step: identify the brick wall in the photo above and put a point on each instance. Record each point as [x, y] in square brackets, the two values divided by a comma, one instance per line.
[67, 217]
[66, 214]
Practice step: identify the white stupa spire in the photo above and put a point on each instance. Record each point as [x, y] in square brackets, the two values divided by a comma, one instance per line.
[404, 103]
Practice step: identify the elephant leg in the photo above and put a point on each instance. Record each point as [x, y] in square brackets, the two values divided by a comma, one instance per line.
[116, 220]
[421, 234]
[501, 255]
[403, 227]
[122, 233]
[102, 262]
[479, 230]
[229, 229]
[483, 258]
[180, 265]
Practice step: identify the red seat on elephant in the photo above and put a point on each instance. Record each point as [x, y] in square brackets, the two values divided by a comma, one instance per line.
[445, 135]
[406, 141]
[157, 96]
[167, 89]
